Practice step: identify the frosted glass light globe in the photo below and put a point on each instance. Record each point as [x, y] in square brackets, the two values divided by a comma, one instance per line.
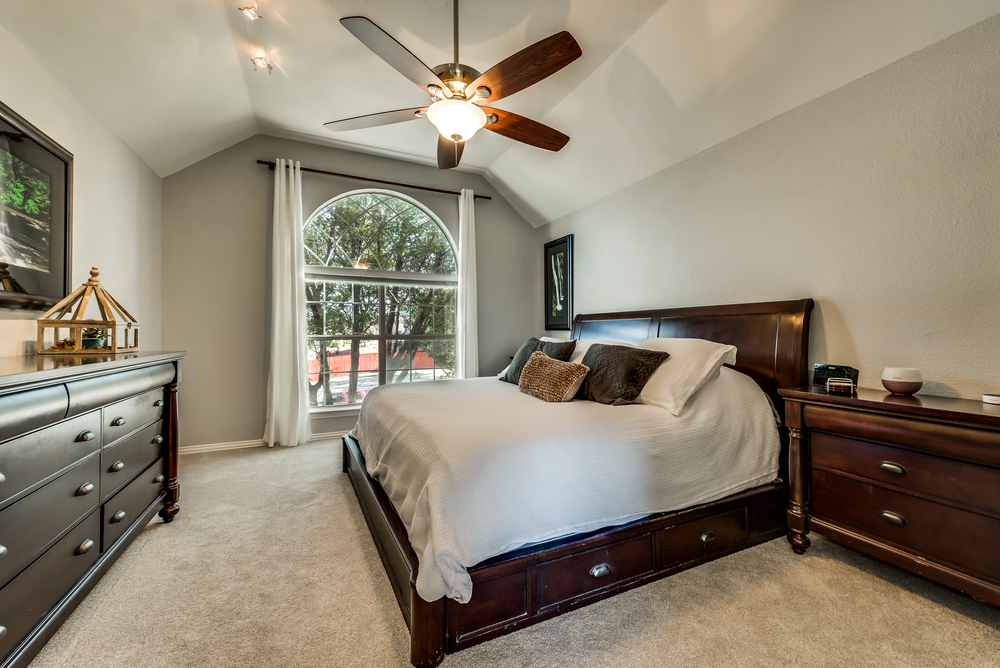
[456, 118]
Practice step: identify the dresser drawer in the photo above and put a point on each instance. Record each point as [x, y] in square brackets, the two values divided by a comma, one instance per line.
[959, 482]
[29, 597]
[126, 416]
[32, 524]
[30, 461]
[126, 506]
[122, 461]
[689, 541]
[23, 411]
[966, 539]
[563, 579]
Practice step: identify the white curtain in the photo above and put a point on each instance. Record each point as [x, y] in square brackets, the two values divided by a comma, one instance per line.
[287, 380]
[467, 348]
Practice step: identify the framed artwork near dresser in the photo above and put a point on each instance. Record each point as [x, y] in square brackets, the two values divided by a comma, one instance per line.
[911, 480]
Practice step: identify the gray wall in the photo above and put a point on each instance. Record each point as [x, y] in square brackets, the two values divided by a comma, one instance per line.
[116, 198]
[216, 272]
[881, 200]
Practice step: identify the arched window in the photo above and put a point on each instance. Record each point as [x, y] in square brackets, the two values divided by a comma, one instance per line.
[381, 278]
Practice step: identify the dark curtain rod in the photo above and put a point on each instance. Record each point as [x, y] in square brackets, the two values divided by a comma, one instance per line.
[271, 165]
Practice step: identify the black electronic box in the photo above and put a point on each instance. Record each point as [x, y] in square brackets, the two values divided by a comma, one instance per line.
[823, 371]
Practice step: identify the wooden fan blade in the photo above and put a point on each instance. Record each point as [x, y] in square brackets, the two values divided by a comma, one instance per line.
[449, 152]
[374, 120]
[525, 130]
[526, 67]
[394, 53]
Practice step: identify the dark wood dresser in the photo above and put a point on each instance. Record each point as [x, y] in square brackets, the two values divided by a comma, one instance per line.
[88, 456]
[914, 481]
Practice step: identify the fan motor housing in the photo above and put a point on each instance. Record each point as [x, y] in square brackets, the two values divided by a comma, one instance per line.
[456, 76]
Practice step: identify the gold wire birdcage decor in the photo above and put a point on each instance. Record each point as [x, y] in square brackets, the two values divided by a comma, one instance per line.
[116, 332]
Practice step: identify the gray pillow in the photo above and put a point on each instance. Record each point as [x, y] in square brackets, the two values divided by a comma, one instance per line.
[561, 351]
[617, 373]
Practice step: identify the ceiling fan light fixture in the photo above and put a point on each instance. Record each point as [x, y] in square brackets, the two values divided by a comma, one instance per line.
[260, 62]
[456, 118]
[250, 12]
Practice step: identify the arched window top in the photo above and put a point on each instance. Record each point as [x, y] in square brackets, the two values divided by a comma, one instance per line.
[378, 230]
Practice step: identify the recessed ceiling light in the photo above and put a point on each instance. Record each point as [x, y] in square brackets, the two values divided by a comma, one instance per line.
[250, 12]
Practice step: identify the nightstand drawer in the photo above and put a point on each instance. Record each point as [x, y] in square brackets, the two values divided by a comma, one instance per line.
[567, 578]
[685, 542]
[966, 539]
[965, 484]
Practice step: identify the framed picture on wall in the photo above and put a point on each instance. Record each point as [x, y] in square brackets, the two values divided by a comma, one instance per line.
[36, 185]
[559, 284]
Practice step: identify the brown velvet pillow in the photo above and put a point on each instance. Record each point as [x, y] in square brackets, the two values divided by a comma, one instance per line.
[551, 380]
[557, 351]
[617, 373]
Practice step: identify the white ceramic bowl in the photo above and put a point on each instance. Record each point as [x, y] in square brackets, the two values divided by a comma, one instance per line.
[899, 380]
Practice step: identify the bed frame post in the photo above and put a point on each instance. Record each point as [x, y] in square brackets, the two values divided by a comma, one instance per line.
[426, 630]
[798, 463]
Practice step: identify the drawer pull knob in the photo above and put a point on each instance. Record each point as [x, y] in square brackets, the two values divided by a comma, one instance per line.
[158, 403]
[117, 466]
[84, 546]
[708, 537]
[3, 551]
[3, 631]
[118, 517]
[3, 478]
[159, 478]
[894, 518]
[892, 467]
[118, 422]
[85, 436]
[600, 570]
[158, 439]
[85, 489]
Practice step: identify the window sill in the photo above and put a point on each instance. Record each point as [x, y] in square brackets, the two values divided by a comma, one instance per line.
[336, 410]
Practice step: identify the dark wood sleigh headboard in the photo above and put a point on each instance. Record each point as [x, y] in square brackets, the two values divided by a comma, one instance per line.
[771, 338]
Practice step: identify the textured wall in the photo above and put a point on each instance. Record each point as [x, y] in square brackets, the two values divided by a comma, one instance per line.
[881, 200]
[116, 198]
[216, 272]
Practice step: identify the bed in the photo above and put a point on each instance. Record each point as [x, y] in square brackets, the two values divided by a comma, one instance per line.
[530, 584]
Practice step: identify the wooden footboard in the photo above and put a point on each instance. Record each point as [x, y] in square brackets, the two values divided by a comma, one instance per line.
[527, 586]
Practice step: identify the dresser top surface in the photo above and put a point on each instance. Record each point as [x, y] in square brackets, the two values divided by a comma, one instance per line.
[32, 370]
[925, 405]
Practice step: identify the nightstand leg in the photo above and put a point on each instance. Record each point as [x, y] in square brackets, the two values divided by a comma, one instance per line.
[798, 504]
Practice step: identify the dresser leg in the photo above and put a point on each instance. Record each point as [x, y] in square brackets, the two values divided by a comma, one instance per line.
[172, 486]
[171, 505]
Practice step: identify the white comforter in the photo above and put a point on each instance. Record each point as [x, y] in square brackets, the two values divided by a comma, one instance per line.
[476, 468]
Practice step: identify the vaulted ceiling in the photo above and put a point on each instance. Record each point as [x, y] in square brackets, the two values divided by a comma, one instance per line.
[659, 80]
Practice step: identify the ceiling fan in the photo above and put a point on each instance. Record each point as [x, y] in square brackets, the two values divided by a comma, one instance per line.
[461, 93]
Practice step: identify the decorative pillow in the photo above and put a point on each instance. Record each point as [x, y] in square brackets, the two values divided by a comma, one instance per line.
[543, 339]
[618, 373]
[692, 364]
[583, 346]
[551, 380]
[557, 351]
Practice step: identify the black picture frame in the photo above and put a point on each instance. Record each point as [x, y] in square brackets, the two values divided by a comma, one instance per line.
[26, 286]
[559, 284]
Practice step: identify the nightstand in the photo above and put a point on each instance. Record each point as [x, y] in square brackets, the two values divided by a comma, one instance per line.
[914, 481]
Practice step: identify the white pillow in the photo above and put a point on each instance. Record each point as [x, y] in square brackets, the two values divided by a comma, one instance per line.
[543, 339]
[692, 363]
[583, 346]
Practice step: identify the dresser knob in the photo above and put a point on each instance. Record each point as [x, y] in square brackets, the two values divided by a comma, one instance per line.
[117, 466]
[3, 631]
[892, 467]
[159, 478]
[85, 489]
[158, 439]
[158, 403]
[118, 422]
[84, 546]
[892, 518]
[3, 478]
[85, 436]
[118, 517]
[3, 551]
[707, 537]
[600, 570]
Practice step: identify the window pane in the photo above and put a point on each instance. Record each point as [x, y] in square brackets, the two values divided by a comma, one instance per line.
[444, 359]
[347, 359]
[351, 308]
[444, 320]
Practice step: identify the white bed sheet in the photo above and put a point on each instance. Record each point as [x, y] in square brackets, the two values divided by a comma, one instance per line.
[476, 468]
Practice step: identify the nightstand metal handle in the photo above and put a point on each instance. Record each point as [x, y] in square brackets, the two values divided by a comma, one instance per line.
[708, 537]
[600, 570]
[891, 517]
[892, 467]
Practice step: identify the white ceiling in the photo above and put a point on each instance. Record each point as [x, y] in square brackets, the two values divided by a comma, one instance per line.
[659, 80]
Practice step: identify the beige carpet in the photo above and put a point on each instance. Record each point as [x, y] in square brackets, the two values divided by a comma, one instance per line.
[270, 564]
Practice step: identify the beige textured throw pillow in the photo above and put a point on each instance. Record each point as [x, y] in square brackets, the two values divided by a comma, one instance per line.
[551, 380]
